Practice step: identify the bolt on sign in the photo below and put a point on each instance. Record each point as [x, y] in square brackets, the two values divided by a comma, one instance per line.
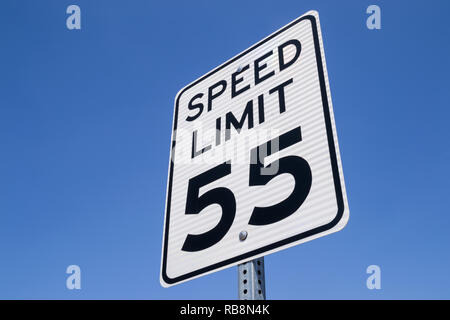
[255, 165]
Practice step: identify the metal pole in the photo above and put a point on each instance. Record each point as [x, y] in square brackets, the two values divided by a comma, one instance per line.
[251, 280]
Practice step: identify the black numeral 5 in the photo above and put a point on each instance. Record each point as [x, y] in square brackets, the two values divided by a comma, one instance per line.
[194, 204]
[294, 165]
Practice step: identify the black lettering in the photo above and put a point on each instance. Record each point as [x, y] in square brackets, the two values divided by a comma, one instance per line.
[231, 120]
[298, 48]
[261, 108]
[212, 96]
[280, 89]
[194, 146]
[235, 81]
[198, 106]
[218, 130]
[259, 67]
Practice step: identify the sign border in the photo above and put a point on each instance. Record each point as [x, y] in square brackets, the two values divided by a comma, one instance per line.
[331, 146]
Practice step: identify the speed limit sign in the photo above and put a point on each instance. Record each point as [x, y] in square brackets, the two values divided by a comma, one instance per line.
[255, 165]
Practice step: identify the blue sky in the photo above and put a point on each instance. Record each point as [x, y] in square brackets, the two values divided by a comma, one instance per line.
[85, 124]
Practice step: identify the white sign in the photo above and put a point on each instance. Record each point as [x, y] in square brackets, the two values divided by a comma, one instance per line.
[255, 165]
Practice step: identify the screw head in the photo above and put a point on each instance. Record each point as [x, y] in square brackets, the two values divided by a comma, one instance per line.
[239, 69]
[243, 235]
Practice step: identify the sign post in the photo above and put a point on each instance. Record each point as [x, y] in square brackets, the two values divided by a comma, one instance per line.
[255, 166]
[251, 280]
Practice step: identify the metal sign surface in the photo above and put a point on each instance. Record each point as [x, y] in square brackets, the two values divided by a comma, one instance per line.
[255, 165]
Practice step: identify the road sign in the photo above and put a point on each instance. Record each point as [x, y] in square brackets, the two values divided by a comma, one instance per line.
[255, 165]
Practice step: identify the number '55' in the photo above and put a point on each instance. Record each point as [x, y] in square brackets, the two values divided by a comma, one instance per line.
[294, 165]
